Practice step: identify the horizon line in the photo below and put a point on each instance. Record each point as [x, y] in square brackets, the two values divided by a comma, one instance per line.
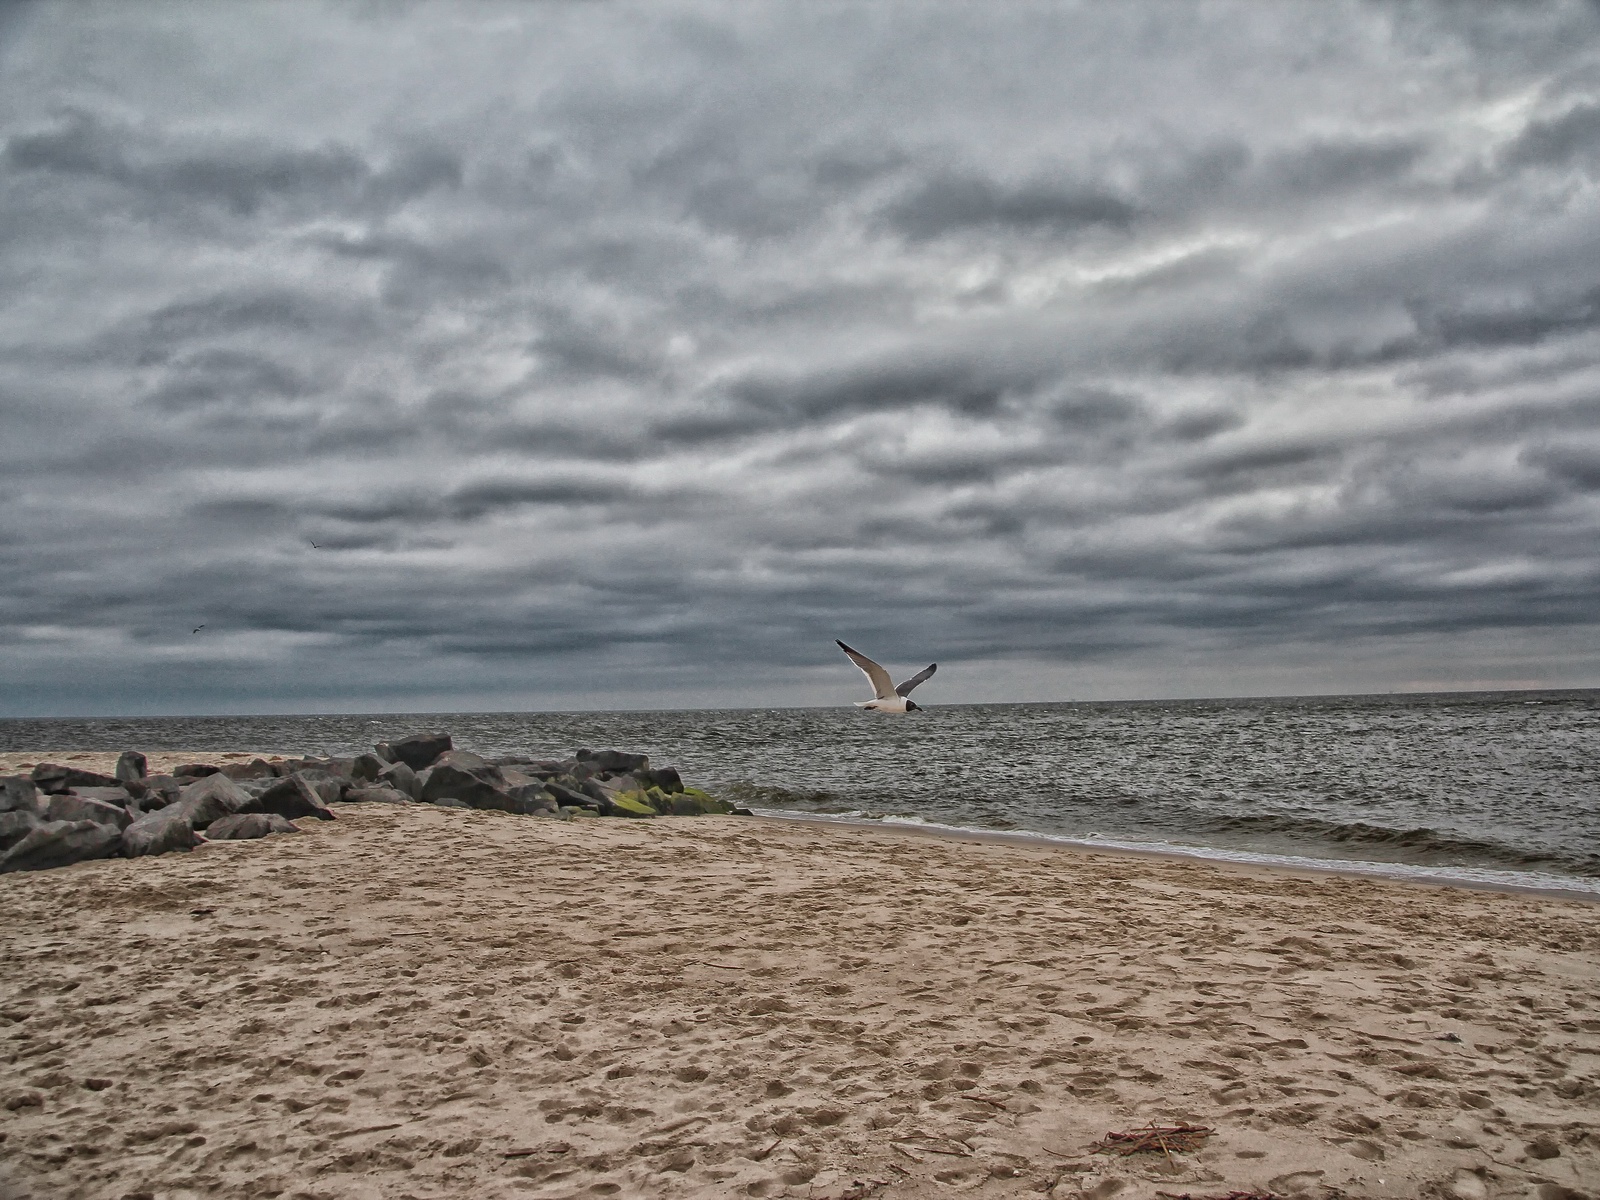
[467, 712]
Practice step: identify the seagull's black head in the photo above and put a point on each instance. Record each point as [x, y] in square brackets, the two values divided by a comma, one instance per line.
[913, 707]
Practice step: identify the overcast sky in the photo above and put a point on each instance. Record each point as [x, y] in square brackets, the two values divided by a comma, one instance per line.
[625, 356]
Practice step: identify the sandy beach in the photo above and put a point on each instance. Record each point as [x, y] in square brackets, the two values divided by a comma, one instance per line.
[421, 1002]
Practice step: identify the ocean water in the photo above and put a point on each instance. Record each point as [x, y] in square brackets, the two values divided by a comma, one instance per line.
[1489, 787]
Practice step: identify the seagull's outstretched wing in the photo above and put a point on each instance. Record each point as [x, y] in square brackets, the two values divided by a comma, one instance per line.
[905, 688]
[882, 685]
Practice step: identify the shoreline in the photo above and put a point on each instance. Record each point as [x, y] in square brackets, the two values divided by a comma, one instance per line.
[1293, 865]
[1486, 879]
[450, 1002]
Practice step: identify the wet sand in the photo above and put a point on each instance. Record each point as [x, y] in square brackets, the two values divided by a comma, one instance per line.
[422, 1002]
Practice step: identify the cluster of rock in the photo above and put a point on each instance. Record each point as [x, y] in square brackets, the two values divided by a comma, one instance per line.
[62, 815]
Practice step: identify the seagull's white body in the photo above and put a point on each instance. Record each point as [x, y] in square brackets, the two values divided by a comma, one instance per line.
[886, 697]
[886, 704]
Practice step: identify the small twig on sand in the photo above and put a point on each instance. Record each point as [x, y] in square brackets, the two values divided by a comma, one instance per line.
[1160, 1141]
[700, 962]
[947, 1146]
[1165, 1138]
[367, 1129]
[761, 1155]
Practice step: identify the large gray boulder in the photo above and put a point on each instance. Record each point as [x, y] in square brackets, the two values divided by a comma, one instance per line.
[77, 807]
[330, 789]
[213, 797]
[420, 749]
[468, 761]
[245, 826]
[531, 799]
[571, 798]
[131, 765]
[18, 793]
[106, 795]
[158, 832]
[294, 797]
[615, 761]
[400, 777]
[256, 768]
[55, 778]
[367, 767]
[159, 791]
[59, 843]
[543, 768]
[447, 781]
[597, 790]
[665, 778]
[334, 768]
[15, 824]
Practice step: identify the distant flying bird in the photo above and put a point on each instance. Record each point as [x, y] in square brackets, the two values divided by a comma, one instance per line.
[314, 546]
[887, 698]
[198, 628]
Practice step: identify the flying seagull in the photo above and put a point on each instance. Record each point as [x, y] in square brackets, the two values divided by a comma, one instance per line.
[887, 698]
[198, 628]
[314, 546]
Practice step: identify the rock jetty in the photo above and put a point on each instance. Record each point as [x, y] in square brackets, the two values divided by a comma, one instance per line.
[59, 815]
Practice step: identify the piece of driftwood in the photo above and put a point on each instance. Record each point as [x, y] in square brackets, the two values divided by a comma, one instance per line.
[1165, 1138]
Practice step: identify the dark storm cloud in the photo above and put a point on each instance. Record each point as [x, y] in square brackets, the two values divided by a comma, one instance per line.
[1202, 424]
[241, 174]
[717, 423]
[1576, 465]
[970, 386]
[1095, 409]
[1324, 167]
[223, 377]
[590, 344]
[418, 274]
[414, 507]
[1557, 140]
[1514, 324]
[577, 349]
[953, 203]
[1247, 466]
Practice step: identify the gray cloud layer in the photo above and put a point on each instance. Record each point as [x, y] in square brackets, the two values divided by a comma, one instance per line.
[612, 354]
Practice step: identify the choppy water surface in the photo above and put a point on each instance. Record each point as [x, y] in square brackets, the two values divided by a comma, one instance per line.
[1478, 784]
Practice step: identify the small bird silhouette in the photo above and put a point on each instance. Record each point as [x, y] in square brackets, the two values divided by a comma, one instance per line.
[314, 546]
[198, 628]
